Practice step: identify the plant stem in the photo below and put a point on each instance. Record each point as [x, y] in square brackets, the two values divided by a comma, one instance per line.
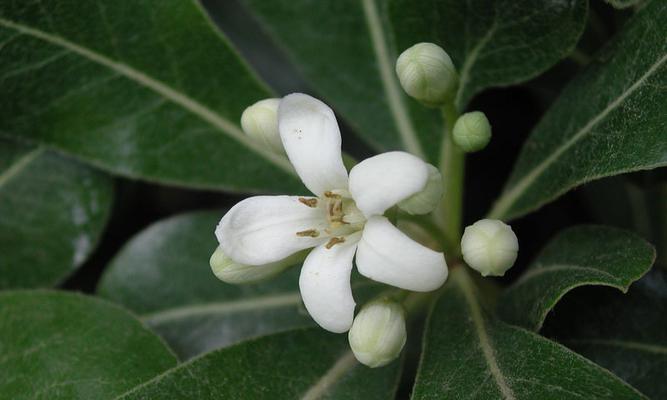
[452, 165]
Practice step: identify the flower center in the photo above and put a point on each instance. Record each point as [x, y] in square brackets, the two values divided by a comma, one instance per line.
[342, 216]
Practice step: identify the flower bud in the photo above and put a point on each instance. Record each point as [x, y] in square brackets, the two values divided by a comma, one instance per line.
[427, 73]
[472, 131]
[490, 247]
[425, 201]
[260, 122]
[225, 269]
[378, 333]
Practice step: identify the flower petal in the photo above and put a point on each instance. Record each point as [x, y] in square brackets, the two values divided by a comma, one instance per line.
[387, 255]
[263, 229]
[325, 285]
[311, 138]
[379, 182]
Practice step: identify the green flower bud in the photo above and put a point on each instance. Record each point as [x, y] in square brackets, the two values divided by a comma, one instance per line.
[427, 73]
[425, 201]
[472, 131]
[225, 269]
[378, 333]
[490, 247]
[260, 122]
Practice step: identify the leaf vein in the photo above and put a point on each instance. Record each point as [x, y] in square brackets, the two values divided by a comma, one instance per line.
[394, 97]
[511, 195]
[188, 103]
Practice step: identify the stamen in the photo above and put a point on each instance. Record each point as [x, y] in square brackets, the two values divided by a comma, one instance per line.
[312, 203]
[331, 195]
[334, 241]
[309, 233]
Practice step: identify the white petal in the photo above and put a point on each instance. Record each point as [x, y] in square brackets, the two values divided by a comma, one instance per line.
[325, 286]
[311, 138]
[387, 255]
[379, 182]
[263, 229]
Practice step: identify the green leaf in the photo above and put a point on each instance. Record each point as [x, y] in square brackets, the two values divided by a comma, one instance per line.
[58, 345]
[346, 52]
[145, 89]
[492, 43]
[625, 333]
[621, 4]
[470, 355]
[583, 255]
[163, 275]
[305, 364]
[609, 120]
[53, 212]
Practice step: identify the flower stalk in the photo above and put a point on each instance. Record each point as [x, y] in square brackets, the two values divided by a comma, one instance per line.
[452, 167]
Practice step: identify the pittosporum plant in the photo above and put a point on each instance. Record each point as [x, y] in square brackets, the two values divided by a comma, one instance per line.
[350, 269]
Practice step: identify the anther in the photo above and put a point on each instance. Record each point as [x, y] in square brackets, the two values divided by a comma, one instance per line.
[331, 195]
[309, 233]
[312, 203]
[334, 241]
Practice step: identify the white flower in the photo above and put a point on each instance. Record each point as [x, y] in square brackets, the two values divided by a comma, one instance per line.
[378, 333]
[260, 122]
[489, 246]
[427, 74]
[472, 131]
[343, 218]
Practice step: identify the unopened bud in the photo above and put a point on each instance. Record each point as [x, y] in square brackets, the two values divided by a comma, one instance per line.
[490, 247]
[427, 200]
[260, 122]
[229, 271]
[472, 131]
[427, 73]
[378, 333]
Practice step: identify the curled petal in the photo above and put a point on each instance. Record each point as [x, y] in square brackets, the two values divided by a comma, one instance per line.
[264, 229]
[387, 255]
[325, 286]
[380, 182]
[310, 135]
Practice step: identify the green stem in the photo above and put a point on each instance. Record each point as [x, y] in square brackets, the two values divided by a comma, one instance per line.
[452, 165]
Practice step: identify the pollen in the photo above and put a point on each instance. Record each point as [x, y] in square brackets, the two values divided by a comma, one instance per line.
[331, 195]
[312, 203]
[308, 233]
[334, 241]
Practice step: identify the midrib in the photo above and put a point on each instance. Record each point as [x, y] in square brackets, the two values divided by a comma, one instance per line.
[19, 165]
[156, 86]
[389, 81]
[484, 340]
[224, 307]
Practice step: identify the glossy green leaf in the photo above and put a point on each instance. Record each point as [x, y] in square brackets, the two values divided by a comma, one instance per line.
[52, 212]
[58, 345]
[469, 354]
[303, 364]
[492, 43]
[163, 275]
[145, 89]
[583, 255]
[609, 120]
[622, 332]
